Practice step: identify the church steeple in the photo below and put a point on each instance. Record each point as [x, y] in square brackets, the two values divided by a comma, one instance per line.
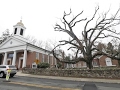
[19, 29]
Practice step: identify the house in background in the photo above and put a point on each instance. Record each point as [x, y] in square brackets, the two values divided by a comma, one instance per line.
[16, 50]
[102, 61]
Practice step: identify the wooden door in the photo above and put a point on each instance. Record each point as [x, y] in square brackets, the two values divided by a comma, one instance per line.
[21, 63]
[8, 62]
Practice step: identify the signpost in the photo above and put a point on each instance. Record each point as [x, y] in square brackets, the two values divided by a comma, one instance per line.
[8, 74]
[37, 61]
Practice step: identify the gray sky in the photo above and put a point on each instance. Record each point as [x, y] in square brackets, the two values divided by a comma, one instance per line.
[39, 16]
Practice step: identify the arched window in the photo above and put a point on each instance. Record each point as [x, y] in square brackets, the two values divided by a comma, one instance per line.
[15, 31]
[21, 32]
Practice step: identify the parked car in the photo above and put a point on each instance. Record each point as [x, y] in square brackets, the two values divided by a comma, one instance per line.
[4, 68]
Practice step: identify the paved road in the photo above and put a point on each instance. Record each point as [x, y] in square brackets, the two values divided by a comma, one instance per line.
[42, 84]
[33, 83]
[10, 86]
[90, 86]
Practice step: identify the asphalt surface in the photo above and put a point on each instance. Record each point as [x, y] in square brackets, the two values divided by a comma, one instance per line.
[9, 86]
[89, 86]
[35, 83]
[42, 84]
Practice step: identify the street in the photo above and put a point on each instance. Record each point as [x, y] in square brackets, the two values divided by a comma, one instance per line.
[28, 83]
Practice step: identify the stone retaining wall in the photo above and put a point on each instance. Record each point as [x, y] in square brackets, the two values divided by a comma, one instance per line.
[110, 73]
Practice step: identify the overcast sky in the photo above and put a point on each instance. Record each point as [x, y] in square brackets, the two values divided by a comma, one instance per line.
[39, 16]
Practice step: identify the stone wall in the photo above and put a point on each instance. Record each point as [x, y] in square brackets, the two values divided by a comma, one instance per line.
[110, 73]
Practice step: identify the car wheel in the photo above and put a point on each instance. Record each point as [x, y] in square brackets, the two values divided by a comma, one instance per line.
[12, 75]
[2, 74]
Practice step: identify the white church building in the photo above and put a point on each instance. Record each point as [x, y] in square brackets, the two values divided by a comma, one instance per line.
[16, 50]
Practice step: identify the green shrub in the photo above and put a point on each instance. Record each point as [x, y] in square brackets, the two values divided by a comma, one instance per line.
[43, 65]
[59, 65]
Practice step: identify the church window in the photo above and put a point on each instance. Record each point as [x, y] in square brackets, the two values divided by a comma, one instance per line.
[94, 63]
[15, 31]
[21, 32]
[10, 55]
[37, 55]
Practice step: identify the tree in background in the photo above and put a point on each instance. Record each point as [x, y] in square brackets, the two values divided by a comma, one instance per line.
[4, 36]
[110, 48]
[47, 45]
[31, 40]
[86, 45]
[113, 49]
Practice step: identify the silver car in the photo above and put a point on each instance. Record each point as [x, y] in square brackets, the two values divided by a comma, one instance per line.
[4, 68]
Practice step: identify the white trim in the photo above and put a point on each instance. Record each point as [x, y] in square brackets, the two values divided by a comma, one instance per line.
[20, 58]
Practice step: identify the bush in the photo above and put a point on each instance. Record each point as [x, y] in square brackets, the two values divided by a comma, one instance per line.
[59, 65]
[43, 65]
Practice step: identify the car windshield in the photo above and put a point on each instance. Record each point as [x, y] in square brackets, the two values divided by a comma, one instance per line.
[2, 66]
[12, 67]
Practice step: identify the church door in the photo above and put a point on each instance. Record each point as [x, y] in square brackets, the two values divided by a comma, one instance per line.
[8, 63]
[21, 63]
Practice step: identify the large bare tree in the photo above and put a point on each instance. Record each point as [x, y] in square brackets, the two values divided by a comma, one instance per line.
[86, 46]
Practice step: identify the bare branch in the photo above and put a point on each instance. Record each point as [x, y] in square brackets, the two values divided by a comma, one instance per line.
[78, 21]
[73, 61]
[68, 13]
[91, 18]
[76, 17]
[70, 48]
[69, 42]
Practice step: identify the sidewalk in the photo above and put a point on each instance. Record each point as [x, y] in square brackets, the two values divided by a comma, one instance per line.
[19, 73]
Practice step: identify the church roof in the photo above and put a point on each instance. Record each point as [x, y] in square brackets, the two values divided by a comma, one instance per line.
[16, 41]
[20, 23]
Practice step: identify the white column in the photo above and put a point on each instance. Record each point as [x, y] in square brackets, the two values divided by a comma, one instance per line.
[14, 58]
[24, 58]
[5, 59]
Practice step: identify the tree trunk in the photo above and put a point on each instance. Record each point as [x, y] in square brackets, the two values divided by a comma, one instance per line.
[89, 65]
[118, 63]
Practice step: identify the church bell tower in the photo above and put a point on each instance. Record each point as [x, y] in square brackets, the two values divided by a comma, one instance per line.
[19, 29]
